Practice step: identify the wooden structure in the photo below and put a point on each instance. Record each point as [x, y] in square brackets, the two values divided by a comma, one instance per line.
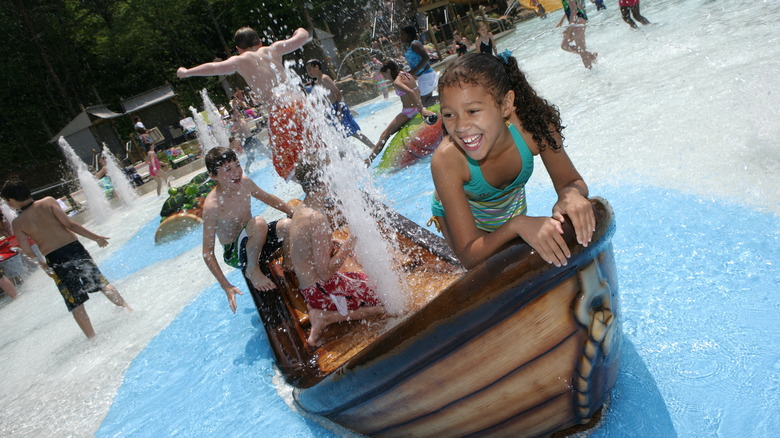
[513, 347]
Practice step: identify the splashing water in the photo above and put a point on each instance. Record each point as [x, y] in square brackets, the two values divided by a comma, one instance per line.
[205, 136]
[122, 185]
[349, 181]
[97, 203]
[218, 130]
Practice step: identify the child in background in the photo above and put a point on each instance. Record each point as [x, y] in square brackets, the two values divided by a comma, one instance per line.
[406, 87]
[628, 7]
[485, 41]
[339, 109]
[496, 124]
[574, 35]
[156, 170]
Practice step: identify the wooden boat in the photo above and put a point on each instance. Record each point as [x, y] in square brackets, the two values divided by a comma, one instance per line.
[513, 347]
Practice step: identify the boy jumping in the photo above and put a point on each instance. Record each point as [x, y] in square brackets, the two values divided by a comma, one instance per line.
[263, 69]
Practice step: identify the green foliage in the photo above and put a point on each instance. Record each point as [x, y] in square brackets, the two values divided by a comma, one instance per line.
[60, 56]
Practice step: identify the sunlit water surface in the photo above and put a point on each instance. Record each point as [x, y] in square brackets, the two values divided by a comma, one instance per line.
[676, 127]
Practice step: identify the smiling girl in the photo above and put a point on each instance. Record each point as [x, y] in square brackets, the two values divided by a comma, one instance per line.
[497, 124]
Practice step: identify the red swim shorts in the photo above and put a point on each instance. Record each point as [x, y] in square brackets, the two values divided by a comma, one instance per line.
[350, 288]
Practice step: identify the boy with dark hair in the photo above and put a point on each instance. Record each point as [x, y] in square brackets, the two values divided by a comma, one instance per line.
[331, 296]
[67, 261]
[227, 213]
[339, 109]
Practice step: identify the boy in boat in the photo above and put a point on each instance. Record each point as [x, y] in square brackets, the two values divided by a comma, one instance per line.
[67, 261]
[227, 213]
[339, 110]
[263, 69]
[331, 296]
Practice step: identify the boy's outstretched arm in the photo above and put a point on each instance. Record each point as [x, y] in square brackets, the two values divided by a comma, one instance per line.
[270, 200]
[295, 42]
[217, 68]
[207, 250]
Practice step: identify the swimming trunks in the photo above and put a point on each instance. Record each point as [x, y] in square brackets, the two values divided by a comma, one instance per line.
[341, 112]
[490, 206]
[234, 254]
[345, 291]
[75, 273]
[290, 135]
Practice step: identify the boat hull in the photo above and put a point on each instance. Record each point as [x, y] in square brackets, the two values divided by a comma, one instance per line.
[514, 347]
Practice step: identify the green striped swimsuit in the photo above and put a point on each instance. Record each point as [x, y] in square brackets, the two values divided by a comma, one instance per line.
[490, 206]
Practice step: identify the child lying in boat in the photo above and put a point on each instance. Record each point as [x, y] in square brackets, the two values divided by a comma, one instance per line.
[331, 296]
[496, 124]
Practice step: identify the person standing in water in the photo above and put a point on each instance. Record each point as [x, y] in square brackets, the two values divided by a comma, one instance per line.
[574, 35]
[264, 71]
[339, 109]
[485, 41]
[419, 65]
[66, 259]
[628, 7]
[156, 168]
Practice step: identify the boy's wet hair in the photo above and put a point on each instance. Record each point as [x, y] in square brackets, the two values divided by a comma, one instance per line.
[246, 37]
[392, 67]
[498, 77]
[218, 156]
[15, 189]
[315, 62]
[309, 176]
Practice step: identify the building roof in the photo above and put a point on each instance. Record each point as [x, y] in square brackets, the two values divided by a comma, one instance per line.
[84, 120]
[148, 98]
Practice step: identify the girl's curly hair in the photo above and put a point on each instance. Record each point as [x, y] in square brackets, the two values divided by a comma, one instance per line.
[536, 115]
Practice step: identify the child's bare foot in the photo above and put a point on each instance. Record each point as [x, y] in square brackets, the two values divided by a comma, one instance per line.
[260, 281]
[319, 319]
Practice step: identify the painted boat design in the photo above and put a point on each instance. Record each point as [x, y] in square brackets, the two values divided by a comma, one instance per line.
[513, 347]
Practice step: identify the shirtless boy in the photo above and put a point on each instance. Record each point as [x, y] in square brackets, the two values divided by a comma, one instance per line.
[331, 296]
[339, 109]
[263, 69]
[67, 261]
[227, 214]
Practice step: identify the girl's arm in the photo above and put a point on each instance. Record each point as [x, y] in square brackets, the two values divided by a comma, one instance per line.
[493, 42]
[218, 68]
[572, 193]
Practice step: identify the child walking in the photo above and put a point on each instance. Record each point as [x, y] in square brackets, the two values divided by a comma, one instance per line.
[156, 170]
[496, 124]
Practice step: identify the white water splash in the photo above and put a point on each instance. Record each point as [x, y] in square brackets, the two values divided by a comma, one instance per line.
[124, 189]
[206, 138]
[218, 129]
[97, 203]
